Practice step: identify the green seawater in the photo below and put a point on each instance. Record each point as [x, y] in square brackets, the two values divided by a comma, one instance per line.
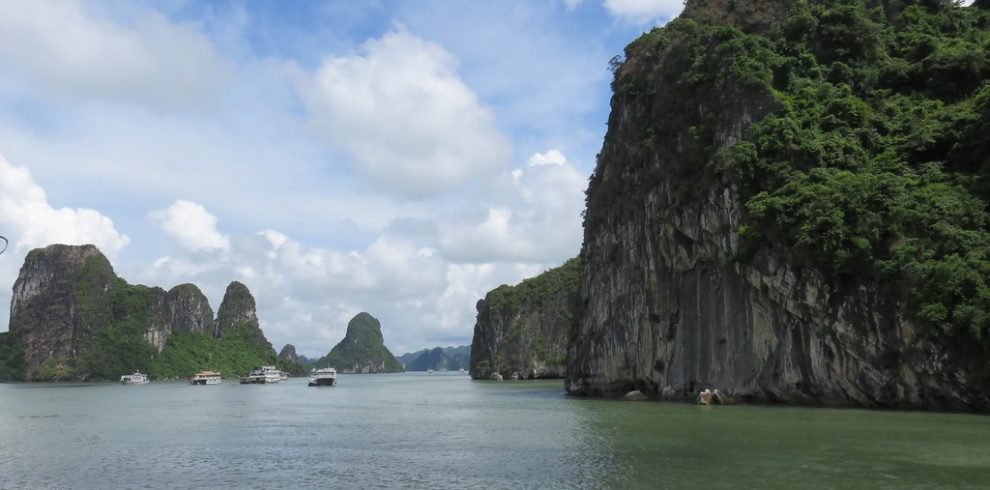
[445, 431]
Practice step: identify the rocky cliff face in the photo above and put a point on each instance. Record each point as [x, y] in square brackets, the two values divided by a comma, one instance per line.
[46, 317]
[362, 350]
[237, 308]
[183, 309]
[288, 353]
[525, 329]
[189, 310]
[672, 305]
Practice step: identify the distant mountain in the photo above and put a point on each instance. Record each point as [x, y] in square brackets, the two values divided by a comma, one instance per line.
[292, 363]
[437, 358]
[407, 358]
[362, 350]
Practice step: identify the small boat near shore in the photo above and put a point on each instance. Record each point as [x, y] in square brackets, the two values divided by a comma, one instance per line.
[206, 378]
[262, 375]
[323, 377]
[138, 378]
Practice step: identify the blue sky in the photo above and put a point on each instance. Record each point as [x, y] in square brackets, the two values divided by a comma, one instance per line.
[400, 158]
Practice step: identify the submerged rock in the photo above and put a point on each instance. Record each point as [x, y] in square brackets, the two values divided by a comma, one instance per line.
[635, 395]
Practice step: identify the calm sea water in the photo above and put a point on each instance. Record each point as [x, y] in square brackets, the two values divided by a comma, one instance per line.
[445, 431]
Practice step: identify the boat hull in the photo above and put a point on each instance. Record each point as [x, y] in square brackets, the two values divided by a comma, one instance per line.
[322, 382]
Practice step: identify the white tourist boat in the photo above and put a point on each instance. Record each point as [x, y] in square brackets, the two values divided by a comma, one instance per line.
[138, 378]
[323, 377]
[206, 378]
[262, 375]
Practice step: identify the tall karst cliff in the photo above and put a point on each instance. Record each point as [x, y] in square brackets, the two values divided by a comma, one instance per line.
[71, 317]
[362, 350]
[525, 329]
[789, 206]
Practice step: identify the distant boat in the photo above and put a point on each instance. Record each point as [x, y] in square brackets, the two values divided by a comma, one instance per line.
[284, 375]
[323, 377]
[429, 371]
[138, 378]
[206, 378]
[262, 375]
[461, 370]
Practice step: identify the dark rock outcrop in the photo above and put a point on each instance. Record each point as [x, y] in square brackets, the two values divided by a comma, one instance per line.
[183, 309]
[189, 310]
[669, 309]
[46, 316]
[237, 308]
[288, 353]
[362, 350]
[525, 329]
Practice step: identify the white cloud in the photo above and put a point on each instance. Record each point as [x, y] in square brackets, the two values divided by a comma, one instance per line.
[191, 226]
[67, 51]
[572, 4]
[644, 11]
[399, 109]
[29, 221]
[538, 221]
[552, 157]
[306, 294]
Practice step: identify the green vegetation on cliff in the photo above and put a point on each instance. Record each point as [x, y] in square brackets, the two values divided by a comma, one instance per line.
[11, 358]
[525, 329]
[874, 165]
[234, 355]
[539, 289]
[114, 322]
[76, 320]
[362, 349]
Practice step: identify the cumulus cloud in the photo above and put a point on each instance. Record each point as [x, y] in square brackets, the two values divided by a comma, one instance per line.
[191, 226]
[644, 11]
[539, 219]
[66, 51]
[552, 157]
[306, 294]
[29, 221]
[401, 112]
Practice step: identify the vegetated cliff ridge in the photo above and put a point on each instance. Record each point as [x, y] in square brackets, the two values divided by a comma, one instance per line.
[362, 350]
[525, 329]
[438, 358]
[790, 206]
[71, 317]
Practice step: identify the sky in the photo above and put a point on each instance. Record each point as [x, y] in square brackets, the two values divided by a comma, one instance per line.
[396, 157]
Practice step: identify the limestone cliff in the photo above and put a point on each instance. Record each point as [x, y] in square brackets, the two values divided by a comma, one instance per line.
[189, 310]
[362, 350]
[674, 301]
[51, 310]
[237, 308]
[288, 353]
[525, 329]
[73, 318]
